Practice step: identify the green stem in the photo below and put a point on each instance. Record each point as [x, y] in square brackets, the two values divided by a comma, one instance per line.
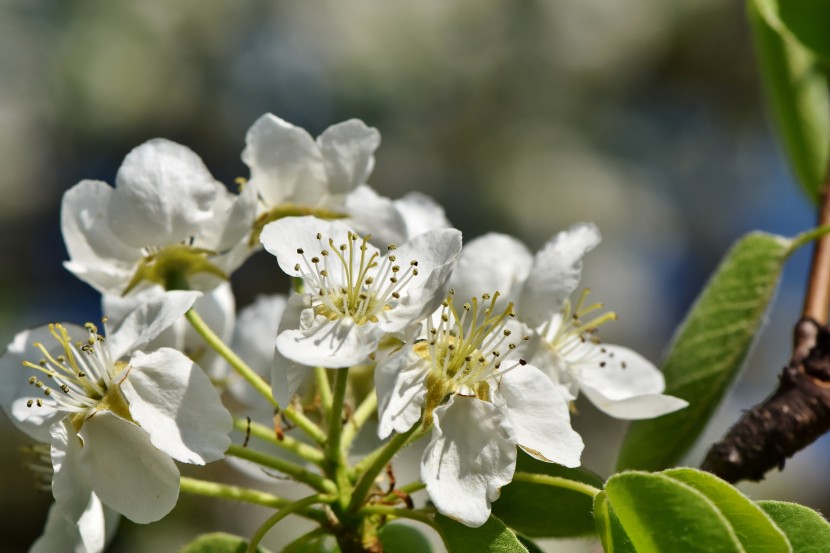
[288, 443]
[557, 482]
[334, 450]
[375, 462]
[236, 493]
[228, 354]
[323, 388]
[305, 424]
[341, 378]
[295, 507]
[424, 516]
[365, 410]
[286, 467]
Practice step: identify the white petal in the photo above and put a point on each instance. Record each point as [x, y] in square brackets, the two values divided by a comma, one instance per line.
[400, 386]
[331, 344]
[233, 219]
[284, 237]
[125, 470]
[176, 404]
[624, 384]
[286, 378]
[472, 454]
[556, 270]
[490, 263]
[420, 213]
[286, 164]
[96, 254]
[87, 535]
[163, 194]
[620, 373]
[287, 375]
[69, 484]
[348, 150]
[254, 340]
[539, 415]
[372, 214]
[436, 253]
[147, 321]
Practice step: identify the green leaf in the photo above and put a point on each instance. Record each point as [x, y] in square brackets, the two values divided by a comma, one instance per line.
[663, 515]
[529, 545]
[806, 20]
[611, 533]
[492, 537]
[400, 538]
[796, 86]
[755, 530]
[218, 542]
[537, 510]
[710, 349]
[807, 530]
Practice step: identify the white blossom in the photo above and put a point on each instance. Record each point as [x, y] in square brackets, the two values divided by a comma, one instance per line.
[296, 175]
[115, 417]
[619, 381]
[352, 295]
[166, 222]
[464, 376]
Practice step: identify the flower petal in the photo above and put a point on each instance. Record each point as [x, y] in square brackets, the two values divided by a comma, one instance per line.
[539, 414]
[88, 535]
[331, 344]
[436, 253]
[489, 263]
[163, 195]
[147, 321]
[556, 270]
[284, 237]
[420, 214]
[471, 455]
[125, 470]
[626, 385]
[348, 150]
[371, 214]
[400, 387]
[286, 164]
[69, 484]
[176, 404]
[96, 254]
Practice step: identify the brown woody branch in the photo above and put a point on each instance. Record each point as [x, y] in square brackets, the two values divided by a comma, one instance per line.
[798, 412]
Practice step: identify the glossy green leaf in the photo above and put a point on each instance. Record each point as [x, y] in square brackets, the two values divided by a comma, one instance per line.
[710, 349]
[662, 515]
[218, 542]
[401, 538]
[796, 86]
[806, 529]
[537, 510]
[755, 530]
[492, 537]
[611, 533]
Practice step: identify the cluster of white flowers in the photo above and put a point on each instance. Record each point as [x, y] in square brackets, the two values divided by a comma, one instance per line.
[487, 350]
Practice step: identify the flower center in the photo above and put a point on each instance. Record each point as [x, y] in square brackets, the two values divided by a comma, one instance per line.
[171, 266]
[289, 210]
[349, 279]
[466, 353]
[83, 375]
[571, 337]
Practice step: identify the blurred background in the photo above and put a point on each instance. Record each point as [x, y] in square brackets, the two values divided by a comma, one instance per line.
[521, 117]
